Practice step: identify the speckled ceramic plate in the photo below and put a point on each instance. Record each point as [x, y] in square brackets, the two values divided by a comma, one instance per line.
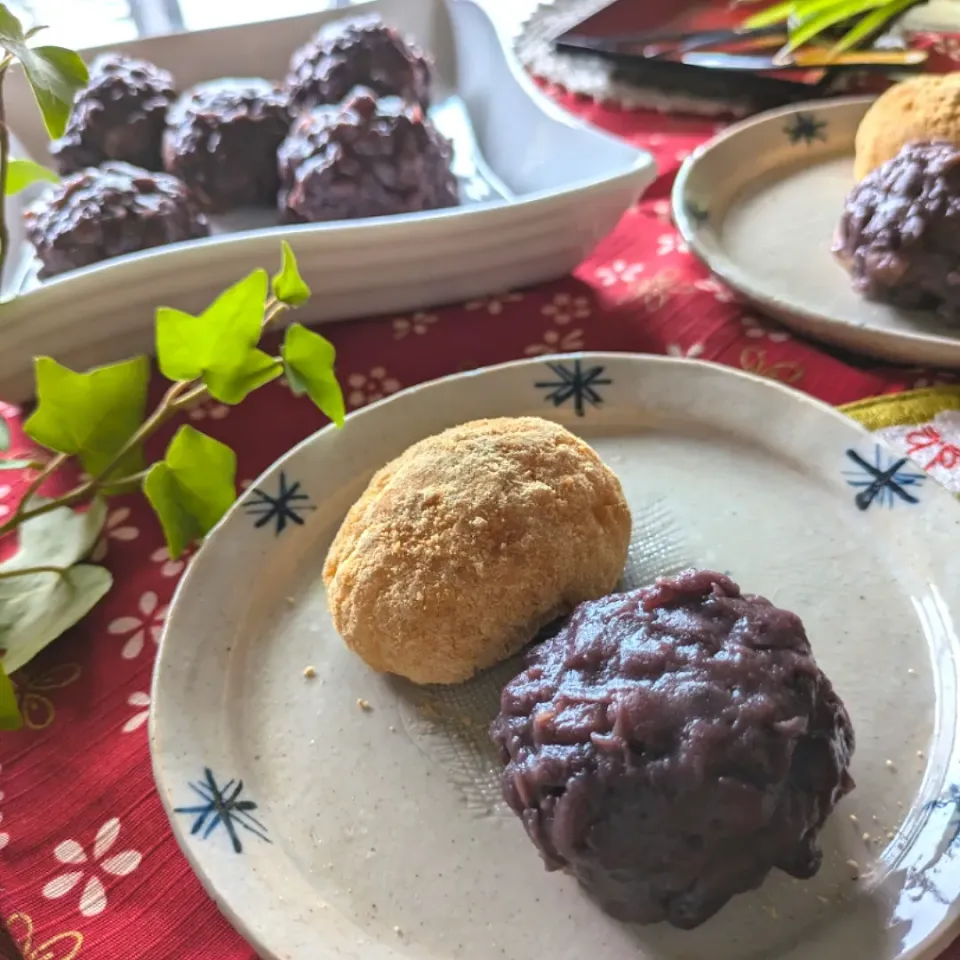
[759, 204]
[348, 815]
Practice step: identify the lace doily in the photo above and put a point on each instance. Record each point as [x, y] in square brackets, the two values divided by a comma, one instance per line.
[592, 76]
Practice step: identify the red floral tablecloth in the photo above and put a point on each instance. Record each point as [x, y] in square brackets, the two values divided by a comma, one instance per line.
[88, 865]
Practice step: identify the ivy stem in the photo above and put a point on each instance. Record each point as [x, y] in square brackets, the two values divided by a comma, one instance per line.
[180, 394]
[4, 162]
[35, 484]
[76, 496]
[130, 478]
[273, 310]
[30, 571]
[165, 409]
[197, 393]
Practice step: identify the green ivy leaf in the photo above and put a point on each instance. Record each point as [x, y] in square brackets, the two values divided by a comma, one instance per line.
[57, 539]
[178, 336]
[37, 608]
[10, 718]
[11, 29]
[219, 346]
[258, 369]
[90, 415]
[192, 487]
[23, 173]
[288, 286]
[308, 363]
[55, 74]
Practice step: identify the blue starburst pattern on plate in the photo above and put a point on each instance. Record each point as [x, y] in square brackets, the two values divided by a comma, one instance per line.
[806, 128]
[574, 383]
[699, 215]
[222, 806]
[284, 507]
[885, 481]
[949, 801]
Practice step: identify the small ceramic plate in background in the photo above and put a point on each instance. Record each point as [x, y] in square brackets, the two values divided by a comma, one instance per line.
[352, 815]
[759, 205]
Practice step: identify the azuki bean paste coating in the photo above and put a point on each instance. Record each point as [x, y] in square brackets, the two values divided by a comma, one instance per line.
[119, 115]
[369, 158]
[669, 746]
[222, 139]
[361, 51]
[106, 211]
[899, 235]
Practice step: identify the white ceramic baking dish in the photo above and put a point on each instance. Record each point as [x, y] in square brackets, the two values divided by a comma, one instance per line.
[565, 187]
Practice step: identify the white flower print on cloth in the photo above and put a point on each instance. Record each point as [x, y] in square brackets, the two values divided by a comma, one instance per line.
[170, 567]
[140, 701]
[756, 328]
[948, 46]
[668, 243]
[555, 342]
[4, 836]
[417, 323]
[136, 629]
[693, 351]
[5, 508]
[934, 446]
[654, 292]
[366, 387]
[208, 409]
[115, 528]
[495, 305]
[565, 308]
[618, 271]
[720, 291]
[93, 895]
[662, 210]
